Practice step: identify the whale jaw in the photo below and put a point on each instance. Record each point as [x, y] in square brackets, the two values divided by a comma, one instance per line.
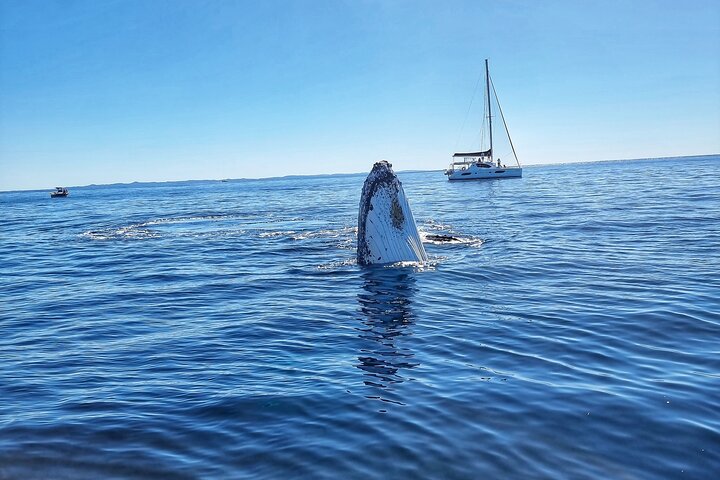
[386, 227]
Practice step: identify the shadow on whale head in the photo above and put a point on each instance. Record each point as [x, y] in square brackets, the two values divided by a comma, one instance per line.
[387, 232]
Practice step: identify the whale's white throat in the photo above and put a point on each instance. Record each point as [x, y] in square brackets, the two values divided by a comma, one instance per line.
[386, 227]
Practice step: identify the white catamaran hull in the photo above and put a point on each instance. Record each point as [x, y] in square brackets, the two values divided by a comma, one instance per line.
[475, 173]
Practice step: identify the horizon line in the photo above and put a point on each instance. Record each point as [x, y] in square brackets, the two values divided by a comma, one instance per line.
[351, 173]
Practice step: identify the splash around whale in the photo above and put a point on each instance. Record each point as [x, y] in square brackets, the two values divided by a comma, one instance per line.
[387, 232]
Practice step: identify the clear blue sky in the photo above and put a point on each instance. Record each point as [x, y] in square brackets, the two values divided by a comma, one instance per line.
[119, 91]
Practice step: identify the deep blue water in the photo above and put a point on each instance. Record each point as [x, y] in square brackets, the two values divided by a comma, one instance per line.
[223, 330]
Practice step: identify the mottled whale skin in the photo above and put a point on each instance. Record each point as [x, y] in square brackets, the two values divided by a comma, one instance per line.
[386, 227]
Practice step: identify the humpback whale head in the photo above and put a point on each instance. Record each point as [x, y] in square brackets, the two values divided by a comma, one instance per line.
[386, 227]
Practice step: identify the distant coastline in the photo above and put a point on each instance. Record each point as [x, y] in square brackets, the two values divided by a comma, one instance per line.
[683, 157]
[528, 165]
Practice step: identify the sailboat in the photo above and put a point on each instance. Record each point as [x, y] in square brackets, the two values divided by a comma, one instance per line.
[484, 164]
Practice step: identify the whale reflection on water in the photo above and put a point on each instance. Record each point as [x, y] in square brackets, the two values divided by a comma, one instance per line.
[386, 315]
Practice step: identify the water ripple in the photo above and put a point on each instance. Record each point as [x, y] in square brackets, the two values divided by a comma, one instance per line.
[566, 327]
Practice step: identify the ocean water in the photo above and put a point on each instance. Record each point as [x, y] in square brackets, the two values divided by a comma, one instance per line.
[223, 330]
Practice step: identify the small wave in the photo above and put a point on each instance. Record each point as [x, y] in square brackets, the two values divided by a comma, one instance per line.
[433, 224]
[345, 234]
[430, 265]
[327, 233]
[348, 262]
[276, 234]
[199, 218]
[142, 230]
[130, 232]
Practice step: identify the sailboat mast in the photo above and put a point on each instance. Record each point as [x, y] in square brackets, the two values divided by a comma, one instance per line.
[487, 86]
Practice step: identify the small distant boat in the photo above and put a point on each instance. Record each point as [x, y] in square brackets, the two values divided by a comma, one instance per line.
[482, 165]
[60, 192]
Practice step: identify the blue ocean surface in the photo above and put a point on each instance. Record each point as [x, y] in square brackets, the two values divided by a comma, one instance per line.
[223, 329]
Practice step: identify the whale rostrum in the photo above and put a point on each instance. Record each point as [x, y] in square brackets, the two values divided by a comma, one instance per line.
[386, 227]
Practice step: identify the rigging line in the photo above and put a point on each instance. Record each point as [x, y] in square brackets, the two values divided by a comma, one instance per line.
[462, 129]
[481, 135]
[503, 119]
